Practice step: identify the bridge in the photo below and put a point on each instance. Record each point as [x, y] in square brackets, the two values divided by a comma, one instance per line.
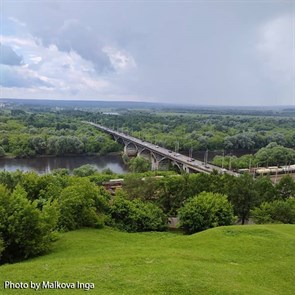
[157, 155]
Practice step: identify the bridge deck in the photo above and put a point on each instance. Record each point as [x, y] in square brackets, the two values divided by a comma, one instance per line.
[192, 164]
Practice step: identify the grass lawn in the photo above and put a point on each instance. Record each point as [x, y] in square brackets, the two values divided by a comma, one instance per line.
[227, 260]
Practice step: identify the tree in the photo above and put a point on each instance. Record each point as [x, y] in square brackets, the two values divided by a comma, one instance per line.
[81, 204]
[278, 211]
[65, 145]
[173, 192]
[38, 144]
[285, 187]
[10, 179]
[139, 164]
[1, 247]
[136, 215]
[274, 154]
[85, 170]
[30, 182]
[25, 230]
[204, 211]
[2, 151]
[243, 196]
[265, 189]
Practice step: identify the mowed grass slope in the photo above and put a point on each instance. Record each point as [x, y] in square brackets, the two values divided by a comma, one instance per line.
[226, 260]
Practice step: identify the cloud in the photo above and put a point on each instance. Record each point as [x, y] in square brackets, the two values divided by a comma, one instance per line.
[21, 77]
[50, 69]
[17, 21]
[120, 60]
[276, 48]
[74, 36]
[8, 56]
[72, 61]
[197, 52]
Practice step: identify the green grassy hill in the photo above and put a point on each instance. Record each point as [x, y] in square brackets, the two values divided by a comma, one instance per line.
[226, 260]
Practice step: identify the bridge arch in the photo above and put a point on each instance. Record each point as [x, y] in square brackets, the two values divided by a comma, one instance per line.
[130, 148]
[179, 166]
[118, 139]
[144, 152]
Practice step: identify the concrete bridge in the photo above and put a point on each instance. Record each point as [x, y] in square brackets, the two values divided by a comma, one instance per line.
[157, 155]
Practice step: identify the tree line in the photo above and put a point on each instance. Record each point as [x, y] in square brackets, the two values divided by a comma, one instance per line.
[35, 208]
[202, 132]
[26, 134]
[271, 155]
[51, 133]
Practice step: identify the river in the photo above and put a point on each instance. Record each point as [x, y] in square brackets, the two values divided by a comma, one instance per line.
[47, 164]
[114, 162]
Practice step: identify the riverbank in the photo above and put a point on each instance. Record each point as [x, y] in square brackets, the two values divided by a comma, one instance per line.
[10, 156]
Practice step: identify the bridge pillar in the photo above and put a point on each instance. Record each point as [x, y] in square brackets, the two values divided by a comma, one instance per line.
[185, 169]
[155, 163]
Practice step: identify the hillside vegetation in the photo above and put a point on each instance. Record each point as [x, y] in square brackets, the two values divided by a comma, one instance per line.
[226, 260]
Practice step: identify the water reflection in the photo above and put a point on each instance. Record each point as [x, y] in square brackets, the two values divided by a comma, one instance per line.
[47, 164]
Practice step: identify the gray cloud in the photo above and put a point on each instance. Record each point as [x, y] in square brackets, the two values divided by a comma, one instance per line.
[8, 56]
[200, 52]
[74, 36]
[20, 78]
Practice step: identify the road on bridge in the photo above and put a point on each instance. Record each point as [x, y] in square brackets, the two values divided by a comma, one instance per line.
[191, 163]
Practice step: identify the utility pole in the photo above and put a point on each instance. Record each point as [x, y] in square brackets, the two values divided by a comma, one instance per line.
[206, 158]
[176, 146]
[190, 153]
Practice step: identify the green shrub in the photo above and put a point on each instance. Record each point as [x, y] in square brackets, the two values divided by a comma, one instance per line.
[278, 211]
[85, 170]
[25, 230]
[81, 204]
[204, 211]
[2, 151]
[1, 247]
[139, 164]
[136, 215]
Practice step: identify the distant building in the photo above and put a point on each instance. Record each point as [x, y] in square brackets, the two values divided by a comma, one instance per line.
[113, 184]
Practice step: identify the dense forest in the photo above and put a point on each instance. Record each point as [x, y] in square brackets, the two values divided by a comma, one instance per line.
[268, 140]
[25, 134]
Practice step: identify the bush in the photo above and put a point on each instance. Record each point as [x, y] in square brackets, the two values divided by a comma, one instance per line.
[274, 154]
[285, 187]
[278, 211]
[139, 164]
[1, 247]
[136, 215]
[81, 204]
[2, 151]
[205, 211]
[85, 170]
[25, 230]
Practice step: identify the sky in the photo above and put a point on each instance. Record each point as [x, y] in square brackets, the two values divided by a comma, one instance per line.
[186, 52]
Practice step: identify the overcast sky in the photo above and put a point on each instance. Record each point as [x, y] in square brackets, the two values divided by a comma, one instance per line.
[193, 52]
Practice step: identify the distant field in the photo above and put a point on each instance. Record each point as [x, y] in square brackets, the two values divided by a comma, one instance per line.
[226, 260]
